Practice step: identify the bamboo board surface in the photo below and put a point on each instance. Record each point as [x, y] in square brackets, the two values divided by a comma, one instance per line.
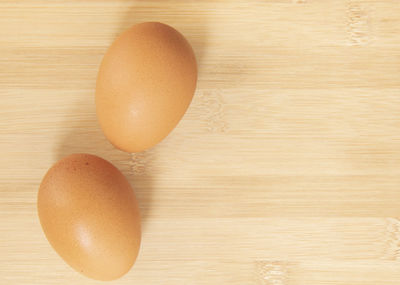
[285, 169]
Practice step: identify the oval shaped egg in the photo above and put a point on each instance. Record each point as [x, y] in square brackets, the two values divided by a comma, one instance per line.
[145, 84]
[90, 216]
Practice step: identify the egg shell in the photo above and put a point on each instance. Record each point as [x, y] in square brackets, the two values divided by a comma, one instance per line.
[145, 84]
[90, 216]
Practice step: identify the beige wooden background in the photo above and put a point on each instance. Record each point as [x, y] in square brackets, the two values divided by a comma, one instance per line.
[285, 169]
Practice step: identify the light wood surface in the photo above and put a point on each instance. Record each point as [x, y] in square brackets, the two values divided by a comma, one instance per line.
[285, 169]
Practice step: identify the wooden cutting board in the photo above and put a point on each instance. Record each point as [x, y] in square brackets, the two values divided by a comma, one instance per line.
[285, 169]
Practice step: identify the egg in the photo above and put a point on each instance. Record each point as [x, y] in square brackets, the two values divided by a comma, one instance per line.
[145, 84]
[90, 216]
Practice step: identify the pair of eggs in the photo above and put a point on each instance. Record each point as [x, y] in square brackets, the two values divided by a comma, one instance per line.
[87, 208]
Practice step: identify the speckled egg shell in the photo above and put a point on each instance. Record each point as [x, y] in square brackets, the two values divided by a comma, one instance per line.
[89, 214]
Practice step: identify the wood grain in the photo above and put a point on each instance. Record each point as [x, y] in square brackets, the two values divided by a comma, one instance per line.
[285, 169]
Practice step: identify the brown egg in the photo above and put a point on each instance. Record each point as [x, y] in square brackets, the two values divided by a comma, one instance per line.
[145, 84]
[90, 216]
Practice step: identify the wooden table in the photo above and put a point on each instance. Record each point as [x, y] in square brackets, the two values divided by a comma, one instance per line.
[285, 169]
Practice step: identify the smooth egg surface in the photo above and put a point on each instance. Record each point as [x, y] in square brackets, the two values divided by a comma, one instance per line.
[90, 216]
[145, 84]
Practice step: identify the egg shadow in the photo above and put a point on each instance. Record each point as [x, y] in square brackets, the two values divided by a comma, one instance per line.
[186, 19]
[82, 134]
